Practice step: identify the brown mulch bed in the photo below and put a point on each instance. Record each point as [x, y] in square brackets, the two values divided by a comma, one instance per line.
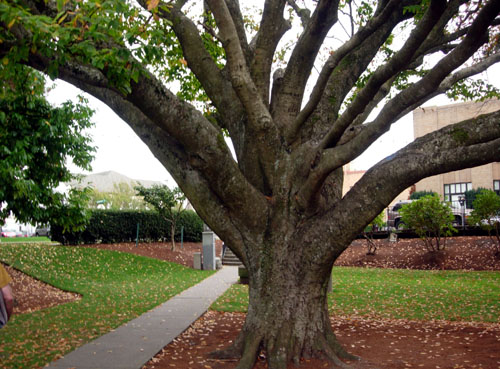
[31, 294]
[383, 344]
[460, 253]
[393, 344]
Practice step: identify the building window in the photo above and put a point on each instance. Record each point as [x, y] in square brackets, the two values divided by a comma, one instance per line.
[496, 187]
[453, 191]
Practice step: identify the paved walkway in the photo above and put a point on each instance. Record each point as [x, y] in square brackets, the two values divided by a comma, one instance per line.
[135, 343]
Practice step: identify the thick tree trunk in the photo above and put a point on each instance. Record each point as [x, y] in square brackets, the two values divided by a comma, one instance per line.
[288, 313]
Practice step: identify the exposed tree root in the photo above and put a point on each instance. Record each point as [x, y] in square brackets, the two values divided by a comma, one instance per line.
[230, 352]
[245, 348]
[338, 349]
[250, 351]
[331, 354]
[248, 345]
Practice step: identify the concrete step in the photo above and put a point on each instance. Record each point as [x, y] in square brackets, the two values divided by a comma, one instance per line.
[230, 258]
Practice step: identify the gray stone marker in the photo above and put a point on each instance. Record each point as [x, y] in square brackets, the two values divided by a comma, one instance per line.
[393, 237]
[197, 260]
[208, 249]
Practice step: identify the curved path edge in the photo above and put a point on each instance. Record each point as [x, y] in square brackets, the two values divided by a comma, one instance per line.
[133, 344]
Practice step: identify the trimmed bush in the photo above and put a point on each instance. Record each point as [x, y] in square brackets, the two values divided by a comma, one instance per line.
[419, 194]
[109, 226]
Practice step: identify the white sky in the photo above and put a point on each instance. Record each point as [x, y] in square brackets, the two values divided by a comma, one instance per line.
[118, 148]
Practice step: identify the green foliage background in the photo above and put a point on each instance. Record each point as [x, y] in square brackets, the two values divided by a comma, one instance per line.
[431, 219]
[37, 141]
[108, 226]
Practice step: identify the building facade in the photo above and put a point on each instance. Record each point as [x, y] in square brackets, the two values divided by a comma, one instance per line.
[451, 186]
[352, 176]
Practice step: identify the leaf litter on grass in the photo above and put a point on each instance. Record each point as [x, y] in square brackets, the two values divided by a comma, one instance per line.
[115, 288]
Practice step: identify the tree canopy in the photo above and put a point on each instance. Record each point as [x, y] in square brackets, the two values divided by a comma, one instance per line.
[298, 101]
[36, 142]
[486, 213]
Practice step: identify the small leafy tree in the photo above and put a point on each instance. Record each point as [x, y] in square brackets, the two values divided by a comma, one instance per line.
[487, 213]
[37, 141]
[168, 203]
[419, 194]
[431, 219]
[371, 228]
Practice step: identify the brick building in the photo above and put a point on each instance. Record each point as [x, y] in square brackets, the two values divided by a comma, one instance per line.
[450, 186]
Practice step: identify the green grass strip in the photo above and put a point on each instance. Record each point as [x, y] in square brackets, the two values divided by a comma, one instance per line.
[401, 294]
[115, 287]
[23, 239]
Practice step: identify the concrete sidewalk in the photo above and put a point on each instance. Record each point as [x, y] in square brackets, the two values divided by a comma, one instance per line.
[135, 343]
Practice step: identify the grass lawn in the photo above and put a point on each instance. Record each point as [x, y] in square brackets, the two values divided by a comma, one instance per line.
[401, 294]
[115, 288]
[23, 239]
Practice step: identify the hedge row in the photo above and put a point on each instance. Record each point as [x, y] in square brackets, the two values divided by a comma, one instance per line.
[108, 226]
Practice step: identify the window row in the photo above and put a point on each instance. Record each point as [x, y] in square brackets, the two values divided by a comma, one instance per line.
[453, 191]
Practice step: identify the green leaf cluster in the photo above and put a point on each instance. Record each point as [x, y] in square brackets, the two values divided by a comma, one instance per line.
[37, 141]
[472, 90]
[471, 195]
[167, 202]
[419, 194]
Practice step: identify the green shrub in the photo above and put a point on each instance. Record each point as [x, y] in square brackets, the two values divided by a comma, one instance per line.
[487, 214]
[471, 195]
[431, 219]
[109, 226]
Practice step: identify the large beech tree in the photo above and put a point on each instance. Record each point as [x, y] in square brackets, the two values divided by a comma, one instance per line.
[296, 109]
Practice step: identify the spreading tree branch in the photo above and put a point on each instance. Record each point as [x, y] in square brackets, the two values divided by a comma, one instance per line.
[434, 82]
[217, 87]
[260, 129]
[234, 9]
[272, 28]
[299, 67]
[240, 75]
[465, 144]
[397, 63]
[334, 158]
[303, 13]
[376, 25]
